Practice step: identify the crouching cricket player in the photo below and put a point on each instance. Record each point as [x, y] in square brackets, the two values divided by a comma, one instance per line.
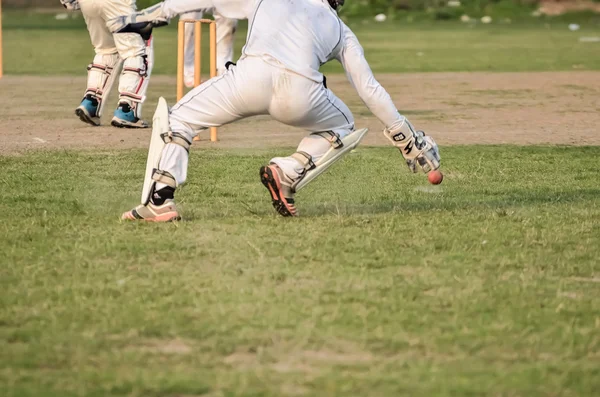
[278, 74]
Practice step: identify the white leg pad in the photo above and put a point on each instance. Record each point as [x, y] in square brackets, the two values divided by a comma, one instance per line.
[161, 136]
[102, 73]
[132, 85]
[349, 142]
[149, 67]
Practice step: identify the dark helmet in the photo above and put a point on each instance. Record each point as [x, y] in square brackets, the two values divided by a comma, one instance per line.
[335, 4]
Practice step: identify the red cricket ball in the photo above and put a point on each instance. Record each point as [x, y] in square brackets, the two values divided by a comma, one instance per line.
[435, 177]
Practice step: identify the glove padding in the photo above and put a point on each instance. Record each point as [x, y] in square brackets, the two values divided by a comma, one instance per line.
[141, 22]
[417, 149]
[144, 29]
[427, 155]
[71, 5]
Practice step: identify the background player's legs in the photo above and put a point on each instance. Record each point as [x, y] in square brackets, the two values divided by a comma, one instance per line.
[225, 38]
[134, 79]
[103, 70]
[188, 61]
[138, 59]
[149, 66]
[225, 35]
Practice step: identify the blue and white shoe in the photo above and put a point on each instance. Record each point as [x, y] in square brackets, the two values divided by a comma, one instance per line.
[125, 118]
[87, 111]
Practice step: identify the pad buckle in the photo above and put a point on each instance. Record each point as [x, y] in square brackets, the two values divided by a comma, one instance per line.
[332, 137]
[176, 138]
[305, 160]
[142, 71]
[101, 68]
[164, 177]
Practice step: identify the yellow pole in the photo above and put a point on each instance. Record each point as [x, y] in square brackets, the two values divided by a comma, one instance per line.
[197, 53]
[197, 57]
[1, 72]
[213, 49]
[180, 49]
[213, 66]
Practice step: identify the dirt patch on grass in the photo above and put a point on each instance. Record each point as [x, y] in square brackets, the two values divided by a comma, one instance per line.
[241, 359]
[333, 357]
[161, 346]
[288, 359]
[456, 108]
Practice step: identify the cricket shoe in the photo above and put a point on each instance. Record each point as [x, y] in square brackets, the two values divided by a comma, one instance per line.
[167, 212]
[87, 111]
[125, 117]
[279, 186]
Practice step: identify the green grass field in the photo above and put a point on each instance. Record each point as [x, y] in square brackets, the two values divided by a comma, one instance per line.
[488, 284]
[386, 286]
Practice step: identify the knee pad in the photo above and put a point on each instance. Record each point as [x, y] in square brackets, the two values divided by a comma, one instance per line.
[339, 147]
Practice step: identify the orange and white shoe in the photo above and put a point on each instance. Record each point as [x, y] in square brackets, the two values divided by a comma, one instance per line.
[279, 186]
[166, 212]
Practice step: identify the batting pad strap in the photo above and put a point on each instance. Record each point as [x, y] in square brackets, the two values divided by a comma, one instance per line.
[176, 138]
[95, 92]
[100, 68]
[304, 159]
[106, 71]
[332, 137]
[131, 97]
[164, 177]
[142, 71]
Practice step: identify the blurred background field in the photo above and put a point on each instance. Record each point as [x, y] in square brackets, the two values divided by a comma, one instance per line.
[411, 10]
[416, 36]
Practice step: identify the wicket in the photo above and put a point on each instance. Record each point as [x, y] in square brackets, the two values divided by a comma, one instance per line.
[197, 56]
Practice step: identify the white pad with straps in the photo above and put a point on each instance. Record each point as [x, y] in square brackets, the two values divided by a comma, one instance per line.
[102, 73]
[149, 67]
[315, 169]
[133, 82]
[161, 136]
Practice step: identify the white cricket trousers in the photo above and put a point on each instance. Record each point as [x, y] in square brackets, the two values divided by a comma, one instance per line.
[97, 13]
[256, 87]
